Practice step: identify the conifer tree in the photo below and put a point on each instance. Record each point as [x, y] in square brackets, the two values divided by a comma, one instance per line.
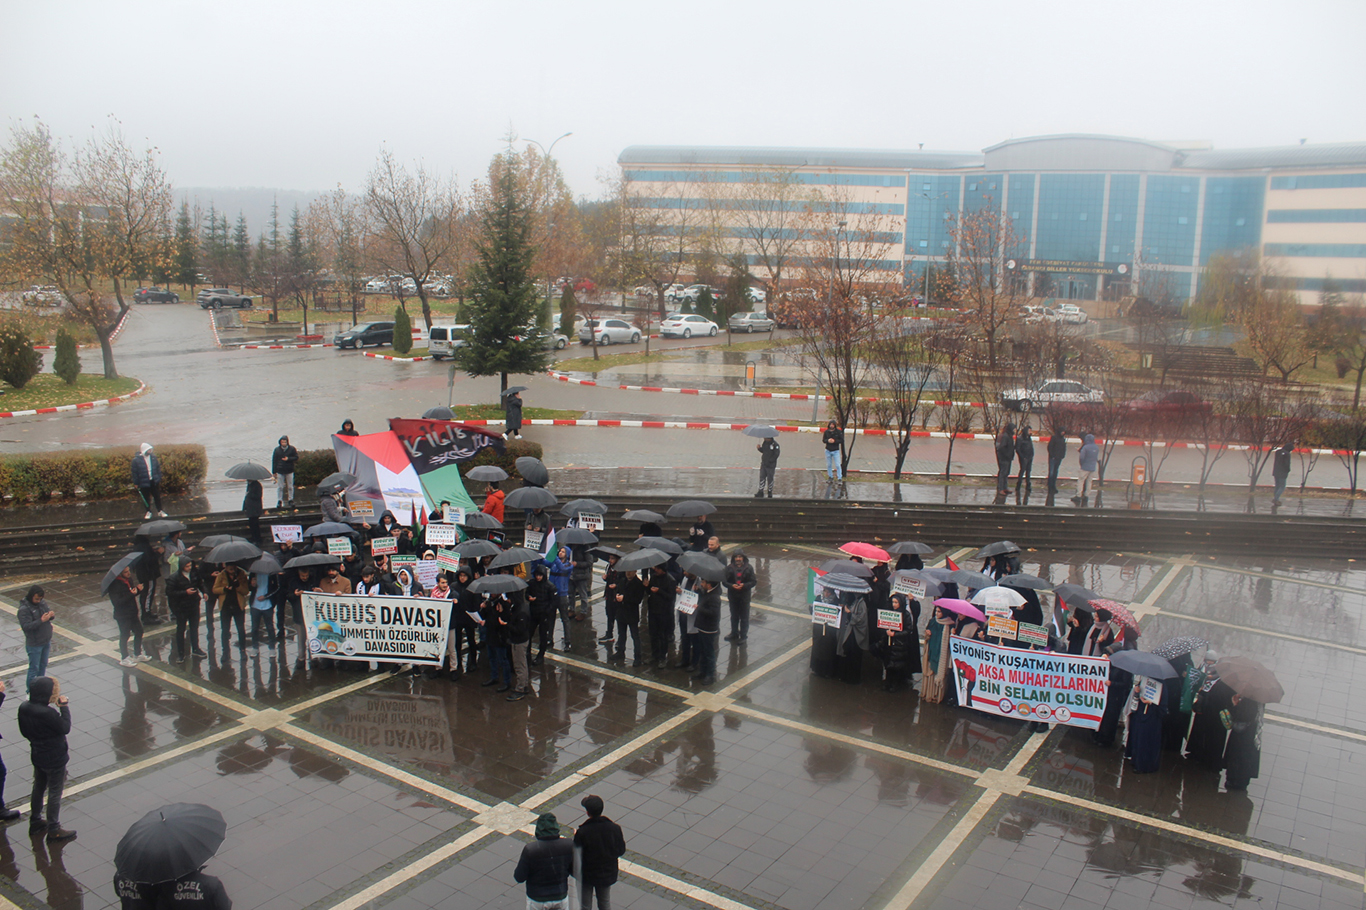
[67, 363]
[403, 331]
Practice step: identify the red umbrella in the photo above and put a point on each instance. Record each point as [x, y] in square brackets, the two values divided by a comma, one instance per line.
[1117, 610]
[961, 607]
[866, 551]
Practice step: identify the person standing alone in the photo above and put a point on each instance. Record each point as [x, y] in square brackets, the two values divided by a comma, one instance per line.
[1088, 456]
[282, 462]
[601, 844]
[1280, 471]
[833, 437]
[768, 465]
[35, 618]
[147, 478]
[45, 720]
[1024, 454]
[512, 413]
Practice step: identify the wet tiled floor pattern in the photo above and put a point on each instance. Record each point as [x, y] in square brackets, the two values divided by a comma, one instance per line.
[770, 789]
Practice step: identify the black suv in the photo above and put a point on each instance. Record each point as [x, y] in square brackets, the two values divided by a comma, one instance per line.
[155, 295]
[379, 333]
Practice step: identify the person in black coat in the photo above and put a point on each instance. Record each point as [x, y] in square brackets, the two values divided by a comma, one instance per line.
[183, 598]
[6, 814]
[1057, 451]
[45, 720]
[1243, 753]
[660, 588]
[541, 596]
[894, 647]
[347, 428]
[282, 463]
[1144, 744]
[123, 594]
[611, 579]
[600, 844]
[517, 629]
[630, 591]
[1024, 454]
[253, 506]
[546, 863]
[768, 466]
[35, 618]
[196, 891]
[739, 581]
[512, 412]
[700, 532]
[707, 619]
[1005, 457]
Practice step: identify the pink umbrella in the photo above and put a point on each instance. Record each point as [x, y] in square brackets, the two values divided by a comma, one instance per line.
[1117, 610]
[961, 607]
[866, 551]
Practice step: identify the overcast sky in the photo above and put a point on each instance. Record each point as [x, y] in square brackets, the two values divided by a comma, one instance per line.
[301, 95]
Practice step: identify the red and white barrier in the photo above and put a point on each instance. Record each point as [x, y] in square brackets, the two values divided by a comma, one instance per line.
[83, 406]
[782, 396]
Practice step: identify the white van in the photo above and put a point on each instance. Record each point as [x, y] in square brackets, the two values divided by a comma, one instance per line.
[443, 340]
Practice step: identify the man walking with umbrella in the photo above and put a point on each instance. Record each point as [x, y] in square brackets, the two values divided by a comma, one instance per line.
[768, 465]
[512, 411]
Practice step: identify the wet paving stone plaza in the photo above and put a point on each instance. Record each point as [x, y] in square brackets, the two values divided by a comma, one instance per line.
[772, 788]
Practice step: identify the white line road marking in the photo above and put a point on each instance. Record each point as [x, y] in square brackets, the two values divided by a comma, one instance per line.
[944, 851]
[413, 869]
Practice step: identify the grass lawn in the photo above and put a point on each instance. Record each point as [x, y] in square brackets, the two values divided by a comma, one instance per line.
[495, 412]
[46, 390]
[415, 352]
[608, 361]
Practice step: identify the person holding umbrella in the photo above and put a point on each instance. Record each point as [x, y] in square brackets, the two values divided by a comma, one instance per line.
[630, 592]
[512, 412]
[493, 502]
[253, 506]
[1143, 746]
[163, 854]
[233, 588]
[769, 450]
[660, 606]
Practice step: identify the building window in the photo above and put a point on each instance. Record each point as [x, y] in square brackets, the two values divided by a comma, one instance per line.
[1082, 217]
[1181, 219]
[924, 243]
[1114, 248]
[1118, 217]
[972, 187]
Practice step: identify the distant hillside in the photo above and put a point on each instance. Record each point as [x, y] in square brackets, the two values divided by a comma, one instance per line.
[252, 201]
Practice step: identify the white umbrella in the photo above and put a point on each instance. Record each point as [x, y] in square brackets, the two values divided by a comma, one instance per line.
[997, 596]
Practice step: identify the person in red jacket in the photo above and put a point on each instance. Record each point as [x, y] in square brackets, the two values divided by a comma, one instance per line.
[493, 502]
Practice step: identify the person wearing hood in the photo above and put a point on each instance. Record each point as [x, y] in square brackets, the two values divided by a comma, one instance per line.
[493, 502]
[387, 526]
[147, 478]
[896, 647]
[512, 413]
[282, 463]
[253, 507]
[1005, 457]
[466, 627]
[35, 618]
[1024, 454]
[1057, 451]
[331, 505]
[347, 428]
[1280, 471]
[739, 581]
[45, 720]
[1088, 457]
[545, 866]
[541, 597]
[852, 638]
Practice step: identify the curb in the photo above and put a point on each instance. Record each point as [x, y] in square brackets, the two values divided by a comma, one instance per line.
[388, 357]
[113, 337]
[784, 396]
[83, 406]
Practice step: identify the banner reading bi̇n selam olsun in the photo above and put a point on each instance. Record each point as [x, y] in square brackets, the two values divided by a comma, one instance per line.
[1030, 685]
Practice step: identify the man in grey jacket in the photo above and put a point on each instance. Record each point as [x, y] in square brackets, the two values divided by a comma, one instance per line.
[1088, 456]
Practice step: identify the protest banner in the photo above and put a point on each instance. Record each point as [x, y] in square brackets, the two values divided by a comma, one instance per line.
[426, 573]
[384, 546]
[447, 559]
[889, 619]
[826, 614]
[286, 533]
[590, 521]
[362, 627]
[339, 546]
[453, 515]
[1001, 626]
[440, 535]
[687, 602]
[403, 727]
[999, 610]
[532, 540]
[361, 508]
[913, 588]
[408, 562]
[1030, 685]
[1031, 634]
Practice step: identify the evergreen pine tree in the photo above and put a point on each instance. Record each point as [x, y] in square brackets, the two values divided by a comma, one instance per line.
[568, 308]
[504, 297]
[186, 268]
[67, 363]
[704, 305]
[19, 362]
[403, 331]
[241, 250]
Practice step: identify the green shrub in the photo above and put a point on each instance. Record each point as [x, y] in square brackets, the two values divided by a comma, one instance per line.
[568, 310]
[98, 474]
[19, 362]
[403, 331]
[313, 466]
[516, 448]
[67, 363]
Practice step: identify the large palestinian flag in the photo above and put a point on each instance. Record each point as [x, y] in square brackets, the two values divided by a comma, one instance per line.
[436, 448]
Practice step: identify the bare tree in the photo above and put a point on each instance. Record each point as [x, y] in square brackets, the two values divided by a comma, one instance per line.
[903, 363]
[1267, 418]
[658, 233]
[1244, 289]
[991, 294]
[1212, 430]
[417, 218]
[337, 221]
[767, 211]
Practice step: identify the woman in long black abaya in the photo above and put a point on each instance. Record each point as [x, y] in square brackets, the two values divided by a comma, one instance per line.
[824, 640]
[1144, 746]
[1243, 753]
[1175, 722]
[1208, 734]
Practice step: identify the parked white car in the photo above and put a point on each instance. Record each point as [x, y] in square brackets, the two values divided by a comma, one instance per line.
[1051, 392]
[1071, 314]
[686, 325]
[609, 331]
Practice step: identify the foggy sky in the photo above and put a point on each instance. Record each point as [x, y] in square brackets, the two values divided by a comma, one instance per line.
[301, 95]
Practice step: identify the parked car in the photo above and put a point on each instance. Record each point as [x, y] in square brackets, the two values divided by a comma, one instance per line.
[554, 340]
[42, 295]
[693, 292]
[376, 333]
[1037, 314]
[686, 325]
[751, 322]
[445, 340]
[1051, 392]
[646, 291]
[155, 295]
[674, 292]
[1175, 402]
[756, 294]
[218, 298]
[608, 331]
[1071, 314]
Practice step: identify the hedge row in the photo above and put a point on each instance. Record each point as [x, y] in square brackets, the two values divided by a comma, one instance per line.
[315, 464]
[97, 474]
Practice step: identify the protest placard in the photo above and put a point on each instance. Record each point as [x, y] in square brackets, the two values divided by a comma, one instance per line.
[913, 588]
[590, 521]
[361, 508]
[1032, 634]
[440, 535]
[284, 533]
[1151, 691]
[1000, 610]
[447, 559]
[826, 614]
[687, 602]
[532, 540]
[408, 562]
[454, 515]
[889, 619]
[339, 546]
[384, 546]
[426, 573]
[1030, 685]
[1001, 627]
[362, 627]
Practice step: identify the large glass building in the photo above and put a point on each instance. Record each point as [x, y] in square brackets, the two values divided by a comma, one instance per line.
[1091, 216]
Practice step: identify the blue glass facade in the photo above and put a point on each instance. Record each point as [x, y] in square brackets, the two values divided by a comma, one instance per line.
[1326, 250]
[1020, 211]
[1233, 215]
[806, 177]
[1319, 182]
[1169, 219]
[928, 198]
[1121, 218]
[1070, 210]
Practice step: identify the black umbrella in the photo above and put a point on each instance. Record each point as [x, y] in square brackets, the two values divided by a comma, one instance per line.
[248, 470]
[533, 471]
[336, 482]
[313, 559]
[642, 559]
[513, 390]
[1173, 648]
[645, 515]
[971, 579]
[847, 567]
[910, 547]
[530, 498]
[761, 431]
[575, 536]
[690, 508]
[266, 565]
[609, 551]
[477, 549]
[440, 412]
[1143, 663]
[998, 548]
[663, 544]
[487, 473]
[232, 551]
[691, 560]
[838, 581]
[514, 556]
[938, 573]
[575, 506]
[158, 527]
[118, 567]
[481, 520]
[496, 584]
[1076, 596]
[170, 842]
[707, 568]
[214, 540]
[1023, 580]
[330, 529]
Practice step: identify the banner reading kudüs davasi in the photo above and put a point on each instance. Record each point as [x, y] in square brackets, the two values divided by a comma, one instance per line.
[410, 630]
[1030, 685]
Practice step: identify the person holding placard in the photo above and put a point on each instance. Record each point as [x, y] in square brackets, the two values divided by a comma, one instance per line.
[1144, 745]
[894, 642]
[823, 638]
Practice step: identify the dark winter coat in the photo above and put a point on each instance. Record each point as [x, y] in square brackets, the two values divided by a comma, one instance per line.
[283, 460]
[833, 437]
[197, 890]
[1024, 447]
[540, 596]
[707, 618]
[512, 408]
[699, 534]
[742, 575]
[253, 503]
[36, 632]
[1057, 447]
[583, 563]
[545, 865]
[602, 844]
[178, 596]
[122, 597]
[44, 726]
[143, 474]
[769, 450]
[1280, 465]
[1005, 446]
[632, 591]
